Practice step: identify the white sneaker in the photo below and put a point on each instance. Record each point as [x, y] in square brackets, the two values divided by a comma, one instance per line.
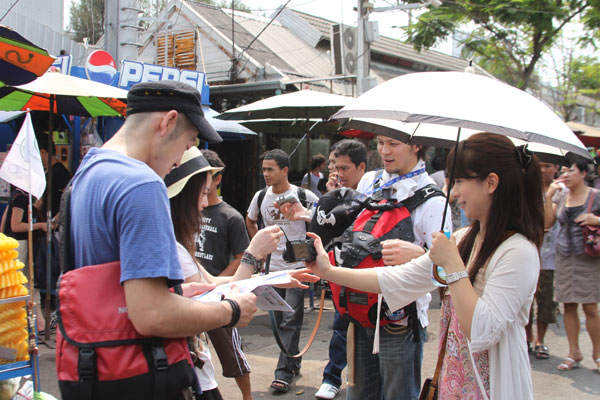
[327, 391]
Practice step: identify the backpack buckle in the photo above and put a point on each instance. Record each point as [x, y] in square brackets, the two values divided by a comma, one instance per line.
[159, 356]
[86, 364]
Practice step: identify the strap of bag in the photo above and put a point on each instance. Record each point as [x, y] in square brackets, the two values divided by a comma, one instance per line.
[261, 196]
[591, 201]
[440, 361]
[275, 327]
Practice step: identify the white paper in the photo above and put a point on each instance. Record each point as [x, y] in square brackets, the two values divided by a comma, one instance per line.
[267, 298]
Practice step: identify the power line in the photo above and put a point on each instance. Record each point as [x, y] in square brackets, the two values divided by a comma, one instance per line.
[10, 8]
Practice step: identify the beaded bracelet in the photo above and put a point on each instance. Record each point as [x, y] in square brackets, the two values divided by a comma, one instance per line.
[248, 258]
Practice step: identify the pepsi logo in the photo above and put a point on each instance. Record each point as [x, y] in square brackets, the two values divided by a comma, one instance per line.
[100, 67]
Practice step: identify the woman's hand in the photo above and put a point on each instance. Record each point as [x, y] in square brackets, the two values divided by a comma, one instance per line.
[444, 253]
[321, 266]
[398, 252]
[298, 276]
[265, 242]
[192, 289]
[553, 188]
[588, 219]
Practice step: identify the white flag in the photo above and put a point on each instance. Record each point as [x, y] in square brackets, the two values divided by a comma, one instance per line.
[23, 166]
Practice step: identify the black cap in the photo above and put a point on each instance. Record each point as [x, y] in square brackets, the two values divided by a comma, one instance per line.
[171, 95]
[336, 211]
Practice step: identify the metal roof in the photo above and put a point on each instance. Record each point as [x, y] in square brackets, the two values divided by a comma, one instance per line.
[391, 47]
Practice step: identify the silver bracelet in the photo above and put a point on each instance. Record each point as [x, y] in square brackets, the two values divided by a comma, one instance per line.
[455, 276]
[248, 258]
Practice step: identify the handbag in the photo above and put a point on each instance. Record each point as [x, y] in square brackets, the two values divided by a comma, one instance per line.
[429, 391]
[590, 233]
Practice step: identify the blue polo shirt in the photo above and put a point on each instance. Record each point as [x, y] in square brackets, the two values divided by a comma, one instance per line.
[120, 212]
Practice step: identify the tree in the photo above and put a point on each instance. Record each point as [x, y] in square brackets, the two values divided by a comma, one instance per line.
[87, 20]
[509, 36]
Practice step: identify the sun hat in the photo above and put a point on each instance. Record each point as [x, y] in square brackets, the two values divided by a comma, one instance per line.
[192, 163]
[171, 95]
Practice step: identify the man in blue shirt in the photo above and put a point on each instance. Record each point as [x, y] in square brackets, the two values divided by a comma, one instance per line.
[120, 211]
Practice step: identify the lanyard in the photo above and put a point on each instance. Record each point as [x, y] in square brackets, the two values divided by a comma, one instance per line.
[391, 182]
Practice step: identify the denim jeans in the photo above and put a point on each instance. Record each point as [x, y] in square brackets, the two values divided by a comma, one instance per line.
[332, 373]
[290, 324]
[394, 373]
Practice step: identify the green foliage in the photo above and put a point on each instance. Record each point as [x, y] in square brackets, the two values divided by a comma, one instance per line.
[508, 36]
[87, 20]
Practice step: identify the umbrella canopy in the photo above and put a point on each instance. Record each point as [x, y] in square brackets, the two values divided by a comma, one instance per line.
[589, 135]
[70, 95]
[20, 60]
[296, 105]
[445, 136]
[465, 100]
[227, 129]
[291, 126]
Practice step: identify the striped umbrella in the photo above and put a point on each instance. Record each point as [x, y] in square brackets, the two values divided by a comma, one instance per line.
[64, 94]
[20, 60]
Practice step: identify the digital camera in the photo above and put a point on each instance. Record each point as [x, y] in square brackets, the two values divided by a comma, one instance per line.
[299, 250]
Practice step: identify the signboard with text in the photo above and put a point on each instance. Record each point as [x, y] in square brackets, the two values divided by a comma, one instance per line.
[133, 72]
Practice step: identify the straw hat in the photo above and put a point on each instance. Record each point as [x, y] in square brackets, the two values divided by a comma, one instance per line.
[192, 163]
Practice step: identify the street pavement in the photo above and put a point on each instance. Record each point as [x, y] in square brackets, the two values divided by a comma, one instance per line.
[262, 353]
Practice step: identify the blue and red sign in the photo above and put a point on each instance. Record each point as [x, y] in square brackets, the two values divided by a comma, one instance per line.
[101, 67]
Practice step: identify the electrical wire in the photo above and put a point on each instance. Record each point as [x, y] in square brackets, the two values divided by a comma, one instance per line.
[7, 11]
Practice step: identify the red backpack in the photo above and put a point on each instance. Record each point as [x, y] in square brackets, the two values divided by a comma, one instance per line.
[99, 354]
[361, 248]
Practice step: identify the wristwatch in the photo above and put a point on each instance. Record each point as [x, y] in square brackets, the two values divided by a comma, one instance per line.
[455, 276]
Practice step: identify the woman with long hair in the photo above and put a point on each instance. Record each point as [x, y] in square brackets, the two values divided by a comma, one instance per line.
[491, 273]
[576, 279]
[187, 188]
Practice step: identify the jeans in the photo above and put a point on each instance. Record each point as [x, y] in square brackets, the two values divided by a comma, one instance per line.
[290, 324]
[394, 373]
[332, 373]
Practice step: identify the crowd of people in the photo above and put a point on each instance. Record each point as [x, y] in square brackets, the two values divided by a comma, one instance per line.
[149, 199]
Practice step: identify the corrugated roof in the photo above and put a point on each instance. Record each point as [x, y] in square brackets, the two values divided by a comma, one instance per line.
[391, 47]
[221, 21]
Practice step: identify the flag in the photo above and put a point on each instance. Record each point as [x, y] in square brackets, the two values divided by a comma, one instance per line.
[23, 166]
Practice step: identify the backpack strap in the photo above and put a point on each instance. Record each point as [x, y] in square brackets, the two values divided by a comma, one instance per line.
[261, 196]
[64, 250]
[421, 196]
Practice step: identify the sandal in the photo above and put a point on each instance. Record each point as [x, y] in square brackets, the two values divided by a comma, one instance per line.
[542, 352]
[597, 361]
[568, 364]
[529, 347]
[280, 385]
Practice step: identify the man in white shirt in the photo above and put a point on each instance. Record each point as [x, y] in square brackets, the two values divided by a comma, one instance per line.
[395, 373]
[275, 167]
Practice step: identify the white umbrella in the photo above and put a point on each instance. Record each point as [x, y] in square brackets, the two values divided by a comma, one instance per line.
[465, 100]
[227, 129]
[302, 104]
[445, 136]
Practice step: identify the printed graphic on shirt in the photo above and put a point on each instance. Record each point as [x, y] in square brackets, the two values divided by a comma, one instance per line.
[201, 239]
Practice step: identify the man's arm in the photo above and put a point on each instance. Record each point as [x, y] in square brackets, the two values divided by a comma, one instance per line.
[155, 311]
[252, 226]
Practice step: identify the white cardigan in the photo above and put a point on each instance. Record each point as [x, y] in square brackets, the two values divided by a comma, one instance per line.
[500, 314]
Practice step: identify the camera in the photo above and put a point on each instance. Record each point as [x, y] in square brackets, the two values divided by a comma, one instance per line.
[299, 250]
[287, 198]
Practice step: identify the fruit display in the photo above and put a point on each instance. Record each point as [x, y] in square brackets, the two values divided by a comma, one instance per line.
[13, 315]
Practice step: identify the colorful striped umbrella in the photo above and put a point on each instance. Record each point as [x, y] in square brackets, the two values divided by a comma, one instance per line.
[20, 60]
[67, 94]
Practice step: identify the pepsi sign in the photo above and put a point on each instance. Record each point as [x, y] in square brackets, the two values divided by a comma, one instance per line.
[101, 67]
[133, 72]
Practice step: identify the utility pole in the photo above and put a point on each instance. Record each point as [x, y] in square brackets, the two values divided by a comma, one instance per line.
[363, 49]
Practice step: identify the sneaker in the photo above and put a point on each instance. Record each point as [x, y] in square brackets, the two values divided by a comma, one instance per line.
[327, 391]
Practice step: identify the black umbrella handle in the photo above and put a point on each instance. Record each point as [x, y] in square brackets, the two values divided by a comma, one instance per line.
[435, 274]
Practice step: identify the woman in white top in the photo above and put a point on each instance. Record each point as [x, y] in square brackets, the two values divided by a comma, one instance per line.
[188, 187]
[492, 273]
